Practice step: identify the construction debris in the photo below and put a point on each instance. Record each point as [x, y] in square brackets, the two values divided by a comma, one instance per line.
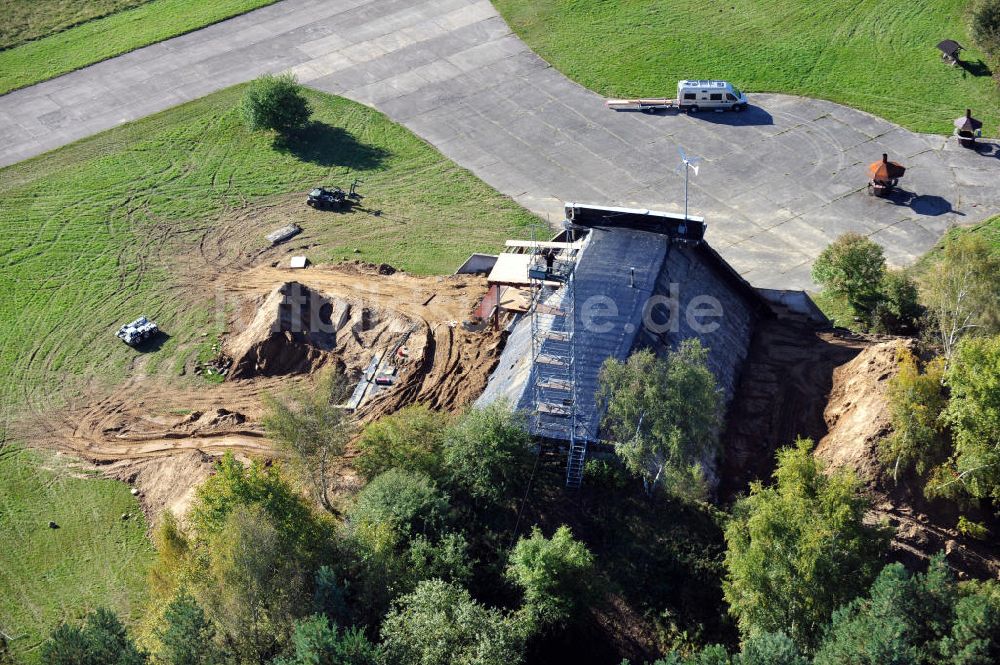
[284, 233]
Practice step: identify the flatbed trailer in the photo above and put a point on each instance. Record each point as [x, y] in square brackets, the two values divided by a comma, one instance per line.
[646, 105]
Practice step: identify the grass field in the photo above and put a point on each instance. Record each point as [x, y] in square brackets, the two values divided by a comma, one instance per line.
[879, 57]
[50, 575]
[125, 25]
[92, 235]
[26, 20]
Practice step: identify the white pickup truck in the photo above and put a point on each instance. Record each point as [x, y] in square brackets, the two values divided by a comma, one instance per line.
[692, 96]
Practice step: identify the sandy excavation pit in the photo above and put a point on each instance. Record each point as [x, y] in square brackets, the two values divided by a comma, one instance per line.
[286, 327]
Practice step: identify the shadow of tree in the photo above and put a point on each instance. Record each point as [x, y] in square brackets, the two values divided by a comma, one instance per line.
[325, 145]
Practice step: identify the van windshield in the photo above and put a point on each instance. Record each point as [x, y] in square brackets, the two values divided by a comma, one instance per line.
[736, 91]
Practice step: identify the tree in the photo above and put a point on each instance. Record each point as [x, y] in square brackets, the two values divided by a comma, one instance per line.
[315, 641]
[924, 618]
[916, 401]
[486, 454]
[973, 412]
[555, 575]
[302, 532]
[663, 415]
[853, 267]
[799, 549]
[440, 624]
[410, 439]
[252, 586]
[961, 291]
[313, 430]
[276, 103]
[101, 640]
[187, 637]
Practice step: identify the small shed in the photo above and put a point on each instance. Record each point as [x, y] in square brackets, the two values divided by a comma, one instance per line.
[968, 129]
[298, 262]
[950, 50]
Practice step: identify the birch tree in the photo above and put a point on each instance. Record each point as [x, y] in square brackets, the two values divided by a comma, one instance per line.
[663, 415]
[314, 430]
[962, 291]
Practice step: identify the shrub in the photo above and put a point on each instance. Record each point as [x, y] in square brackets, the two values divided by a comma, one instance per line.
[967, 527]
[916, 402]
[853, 267]
[276, 103]
[554, 573]
[897, 308]
[486, 455]
[440, 624]
[410, 439]
[405, 502]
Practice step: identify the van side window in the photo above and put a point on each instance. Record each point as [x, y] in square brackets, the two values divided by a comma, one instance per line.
[690, 95]
[716, 97]
[730, 96]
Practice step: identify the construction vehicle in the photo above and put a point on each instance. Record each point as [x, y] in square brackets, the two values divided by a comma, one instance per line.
[692, 96]
[322, 197]
[138, 331]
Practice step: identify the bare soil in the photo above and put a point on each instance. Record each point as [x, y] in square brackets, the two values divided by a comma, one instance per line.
[857, 417]
[161, 437]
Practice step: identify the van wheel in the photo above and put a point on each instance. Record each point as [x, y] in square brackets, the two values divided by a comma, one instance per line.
[692, 109]
[740, 108]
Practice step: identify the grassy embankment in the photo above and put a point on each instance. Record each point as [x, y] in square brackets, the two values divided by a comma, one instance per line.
[94, 235]
[47, 38]
[877, 57]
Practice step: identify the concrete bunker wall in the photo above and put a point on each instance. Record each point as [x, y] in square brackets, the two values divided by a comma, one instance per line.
[691, 275]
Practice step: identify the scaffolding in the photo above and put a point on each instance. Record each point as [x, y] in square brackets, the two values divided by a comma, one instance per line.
[553, 367]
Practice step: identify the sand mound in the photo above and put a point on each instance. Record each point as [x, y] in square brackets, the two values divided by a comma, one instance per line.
[297, 330]
[857, 413]
[857, 416]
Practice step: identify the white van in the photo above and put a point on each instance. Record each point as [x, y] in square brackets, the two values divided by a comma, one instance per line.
[693, 96]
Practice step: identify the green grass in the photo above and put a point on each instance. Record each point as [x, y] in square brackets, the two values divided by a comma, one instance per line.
[101, 38]
[879, 57]
[49, 575]
[836, 308]
[110, 227]
[25, 20]
[988, 229]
